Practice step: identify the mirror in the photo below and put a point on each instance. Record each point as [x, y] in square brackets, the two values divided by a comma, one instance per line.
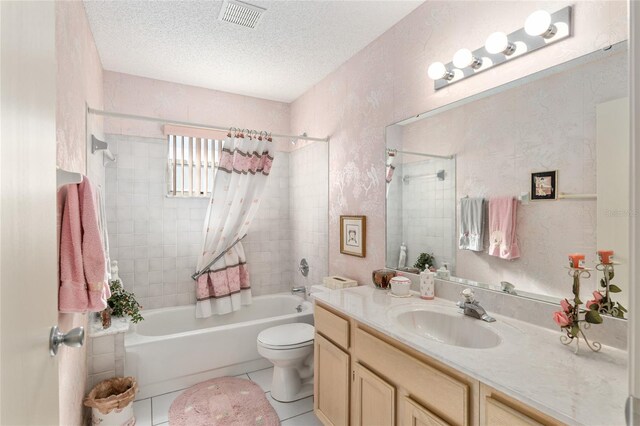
[571, 119]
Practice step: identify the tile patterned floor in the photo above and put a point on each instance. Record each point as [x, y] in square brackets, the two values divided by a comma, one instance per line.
[154, 411]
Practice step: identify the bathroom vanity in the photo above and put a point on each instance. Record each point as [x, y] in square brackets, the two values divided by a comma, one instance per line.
[383, 361]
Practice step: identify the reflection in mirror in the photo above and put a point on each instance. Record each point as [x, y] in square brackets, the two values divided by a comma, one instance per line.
[420, 210]
[573, 119]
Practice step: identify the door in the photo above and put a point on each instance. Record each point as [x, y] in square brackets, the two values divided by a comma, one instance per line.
[374, 400]
[331, 383]
[28, 249]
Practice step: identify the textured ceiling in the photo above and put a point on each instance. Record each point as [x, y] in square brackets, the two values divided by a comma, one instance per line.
[295, 45]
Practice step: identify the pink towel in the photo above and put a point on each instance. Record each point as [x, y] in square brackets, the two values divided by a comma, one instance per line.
[502, 228]
[83, 287]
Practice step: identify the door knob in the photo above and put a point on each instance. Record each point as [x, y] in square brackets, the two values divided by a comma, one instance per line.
[73, 338]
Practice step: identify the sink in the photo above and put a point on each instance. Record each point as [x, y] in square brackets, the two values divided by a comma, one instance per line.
[445, 326]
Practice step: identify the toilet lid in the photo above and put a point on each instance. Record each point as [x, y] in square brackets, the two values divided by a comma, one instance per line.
[287, 334]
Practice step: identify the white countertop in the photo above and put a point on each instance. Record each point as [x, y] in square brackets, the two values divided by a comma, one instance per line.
[118, 325]
[530, 364]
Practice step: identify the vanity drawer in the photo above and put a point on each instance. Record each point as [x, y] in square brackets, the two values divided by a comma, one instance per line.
[445, 396]
[497, 409]
[498, 414]
[332, 326]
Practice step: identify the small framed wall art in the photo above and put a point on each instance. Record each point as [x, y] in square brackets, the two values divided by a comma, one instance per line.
[353, 235]
[544, 185]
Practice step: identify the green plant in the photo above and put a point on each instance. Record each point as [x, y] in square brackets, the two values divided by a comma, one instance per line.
[123, 303]
[425, 260]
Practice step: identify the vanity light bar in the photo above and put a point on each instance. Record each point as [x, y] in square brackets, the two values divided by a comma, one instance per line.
[541, 29]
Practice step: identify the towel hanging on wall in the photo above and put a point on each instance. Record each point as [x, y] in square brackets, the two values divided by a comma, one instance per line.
[83, 284]
[502, 228]
[471, 224]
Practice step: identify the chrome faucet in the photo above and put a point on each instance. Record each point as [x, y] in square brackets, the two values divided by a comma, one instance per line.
[302, 290]
[507, 287]
[472, 308]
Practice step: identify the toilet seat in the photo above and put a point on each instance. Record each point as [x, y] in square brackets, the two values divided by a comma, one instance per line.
[287, 336]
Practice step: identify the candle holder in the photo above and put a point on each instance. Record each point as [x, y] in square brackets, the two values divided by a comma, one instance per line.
[603, 302]
[571, 319]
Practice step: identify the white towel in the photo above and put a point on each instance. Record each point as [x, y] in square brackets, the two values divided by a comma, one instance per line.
[471, 224]
[102, 226]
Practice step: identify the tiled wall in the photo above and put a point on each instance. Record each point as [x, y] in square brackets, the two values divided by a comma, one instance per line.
[105, 358]
[309, 177]
[156, 239]
[268, 242]
[426, 222]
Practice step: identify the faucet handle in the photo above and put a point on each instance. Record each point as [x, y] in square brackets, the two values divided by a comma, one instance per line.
[468, 295]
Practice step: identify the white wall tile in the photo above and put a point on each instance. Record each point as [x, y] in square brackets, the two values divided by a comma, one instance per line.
[157, 238]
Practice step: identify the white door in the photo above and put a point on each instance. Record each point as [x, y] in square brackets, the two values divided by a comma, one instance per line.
[28, 252]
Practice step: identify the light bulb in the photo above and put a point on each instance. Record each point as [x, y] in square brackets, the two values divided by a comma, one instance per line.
[539, 24]
[437, 70]
[499, 43]
[464, 58]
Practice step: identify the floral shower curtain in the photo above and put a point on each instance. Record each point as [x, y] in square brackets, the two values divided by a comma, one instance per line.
[240, 178]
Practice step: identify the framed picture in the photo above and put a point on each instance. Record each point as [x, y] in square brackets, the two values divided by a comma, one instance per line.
[353, 235]
[544, 185]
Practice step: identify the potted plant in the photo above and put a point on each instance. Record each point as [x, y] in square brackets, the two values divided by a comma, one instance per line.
[121, 303]
[425, 260]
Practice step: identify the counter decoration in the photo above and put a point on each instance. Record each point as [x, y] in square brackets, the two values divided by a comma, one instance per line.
[602, 298]
[571, 319]
[382, 278]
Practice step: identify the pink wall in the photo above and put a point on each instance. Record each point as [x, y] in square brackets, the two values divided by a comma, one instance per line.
[79, 80]
[130, 94]
[387, 81]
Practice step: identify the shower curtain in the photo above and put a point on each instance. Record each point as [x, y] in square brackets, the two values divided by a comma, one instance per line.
[240, 178]
[390, 169]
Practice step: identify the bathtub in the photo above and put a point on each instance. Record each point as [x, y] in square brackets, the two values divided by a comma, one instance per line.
[172, 349]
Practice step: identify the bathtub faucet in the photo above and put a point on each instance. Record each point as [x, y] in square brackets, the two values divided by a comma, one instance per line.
[300, 290]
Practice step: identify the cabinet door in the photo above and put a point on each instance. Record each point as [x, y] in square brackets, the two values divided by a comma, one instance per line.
[331, 383]
[374, 400]
[417, 415]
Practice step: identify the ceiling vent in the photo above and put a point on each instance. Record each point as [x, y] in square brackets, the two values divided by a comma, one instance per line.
[240, 13]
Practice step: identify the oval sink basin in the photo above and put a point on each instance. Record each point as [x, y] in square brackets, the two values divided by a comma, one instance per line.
[449, 328]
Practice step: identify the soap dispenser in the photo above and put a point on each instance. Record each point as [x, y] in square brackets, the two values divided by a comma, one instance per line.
[427, 285]
[443, 273]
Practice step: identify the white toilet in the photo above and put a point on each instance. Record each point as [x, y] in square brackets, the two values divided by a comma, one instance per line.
[290, 348]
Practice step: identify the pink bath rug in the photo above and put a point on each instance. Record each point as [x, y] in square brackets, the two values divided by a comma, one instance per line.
[226, 401]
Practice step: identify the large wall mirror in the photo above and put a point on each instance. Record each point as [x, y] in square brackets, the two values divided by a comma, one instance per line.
[571, 119]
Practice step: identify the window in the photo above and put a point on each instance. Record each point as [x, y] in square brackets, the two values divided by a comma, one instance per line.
[191, 163]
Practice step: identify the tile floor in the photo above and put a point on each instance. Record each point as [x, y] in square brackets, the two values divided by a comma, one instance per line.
[154, 411]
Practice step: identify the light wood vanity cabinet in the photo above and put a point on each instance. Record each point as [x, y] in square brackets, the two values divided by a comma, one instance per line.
[331, 382]
[365, 378]
[373, 399]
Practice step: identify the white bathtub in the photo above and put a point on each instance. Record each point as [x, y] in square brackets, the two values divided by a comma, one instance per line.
[172, 349]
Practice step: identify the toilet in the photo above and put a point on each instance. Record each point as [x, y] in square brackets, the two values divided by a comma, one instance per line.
[289, 347]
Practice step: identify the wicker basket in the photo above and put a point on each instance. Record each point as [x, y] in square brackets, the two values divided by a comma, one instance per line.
[111, 401]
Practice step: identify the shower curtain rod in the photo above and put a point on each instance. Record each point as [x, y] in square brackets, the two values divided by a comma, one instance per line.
[189, 124]
[445, 157]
